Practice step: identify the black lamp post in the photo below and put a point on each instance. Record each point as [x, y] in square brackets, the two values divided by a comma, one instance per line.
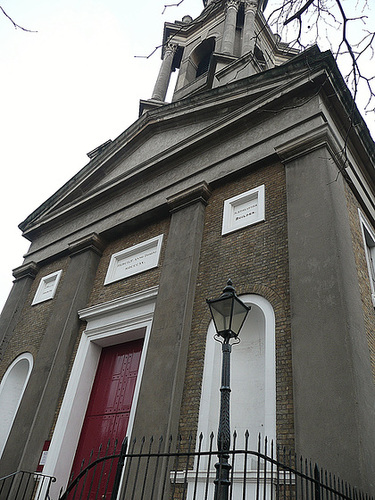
[228, 313]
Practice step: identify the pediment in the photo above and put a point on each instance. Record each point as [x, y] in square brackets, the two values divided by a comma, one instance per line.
[162, 136]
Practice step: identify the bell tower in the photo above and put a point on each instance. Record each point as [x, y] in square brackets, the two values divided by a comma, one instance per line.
[228, 41]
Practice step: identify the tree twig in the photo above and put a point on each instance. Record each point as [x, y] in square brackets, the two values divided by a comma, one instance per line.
[299, 13]
[171, 5]
[16, 26]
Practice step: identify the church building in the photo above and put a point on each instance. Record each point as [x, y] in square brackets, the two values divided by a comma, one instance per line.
[260, 170]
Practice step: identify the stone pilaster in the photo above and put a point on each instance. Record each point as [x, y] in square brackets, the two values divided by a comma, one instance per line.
[333, 383]
[159, 401]
[162, 82]
[24, 277]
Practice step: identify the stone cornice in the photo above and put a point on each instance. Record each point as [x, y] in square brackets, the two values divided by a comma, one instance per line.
[277, 96]
[202, 136]
[143, 126]
[302, 145]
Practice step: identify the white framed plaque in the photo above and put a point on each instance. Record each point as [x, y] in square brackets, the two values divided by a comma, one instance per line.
[243, 210]
[134, 260]
[47, 287]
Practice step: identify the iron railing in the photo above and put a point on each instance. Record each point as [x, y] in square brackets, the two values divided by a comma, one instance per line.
[185, 470]
[23, 485]
[99, 477]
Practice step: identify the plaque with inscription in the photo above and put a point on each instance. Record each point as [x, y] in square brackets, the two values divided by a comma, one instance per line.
[243, 210]
[134, 260]
[47, 288]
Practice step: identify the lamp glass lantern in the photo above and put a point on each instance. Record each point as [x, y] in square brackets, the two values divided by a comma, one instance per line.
[228, 313]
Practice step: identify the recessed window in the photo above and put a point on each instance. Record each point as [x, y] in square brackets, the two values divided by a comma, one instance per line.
[202, 56]
[259, 56]
[47, 287]
[253, 404]
[243, 210]
[12, 388]
[369, 244]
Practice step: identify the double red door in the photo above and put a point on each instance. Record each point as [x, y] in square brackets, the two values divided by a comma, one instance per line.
[108, 411]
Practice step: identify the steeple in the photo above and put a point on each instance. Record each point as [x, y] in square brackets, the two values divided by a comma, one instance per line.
[229, 40]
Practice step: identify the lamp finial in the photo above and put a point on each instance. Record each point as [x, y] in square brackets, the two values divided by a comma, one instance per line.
[229, 289]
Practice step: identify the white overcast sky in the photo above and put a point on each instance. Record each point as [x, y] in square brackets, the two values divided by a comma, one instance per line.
[64, 91]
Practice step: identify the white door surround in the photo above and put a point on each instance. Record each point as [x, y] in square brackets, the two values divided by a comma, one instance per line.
[115, 322]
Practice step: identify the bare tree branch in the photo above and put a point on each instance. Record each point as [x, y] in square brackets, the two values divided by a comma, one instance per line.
[16, 26]
[336, 24]
[171, 5]
[150, 54]
[298, 14]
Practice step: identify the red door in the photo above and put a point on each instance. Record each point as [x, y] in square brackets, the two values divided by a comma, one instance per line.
[107, 416]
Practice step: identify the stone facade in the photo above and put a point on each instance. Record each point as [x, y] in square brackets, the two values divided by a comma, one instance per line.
[242, 124]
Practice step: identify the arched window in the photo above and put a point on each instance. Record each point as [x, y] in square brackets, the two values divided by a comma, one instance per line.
[201, 57]
[12, 388]
[259, 56]
[253, 376]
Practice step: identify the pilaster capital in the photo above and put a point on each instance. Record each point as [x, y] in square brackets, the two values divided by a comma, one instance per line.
[91, 242]
[198, 193]
[29, 270]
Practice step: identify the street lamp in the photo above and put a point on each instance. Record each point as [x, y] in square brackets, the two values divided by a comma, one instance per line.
[228, 313]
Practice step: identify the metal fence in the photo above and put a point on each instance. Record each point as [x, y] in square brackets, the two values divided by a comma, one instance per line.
[22, 485]
[185, 470]
[99, 477]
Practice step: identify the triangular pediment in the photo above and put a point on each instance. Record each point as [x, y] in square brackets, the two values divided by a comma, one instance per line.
[166, 134]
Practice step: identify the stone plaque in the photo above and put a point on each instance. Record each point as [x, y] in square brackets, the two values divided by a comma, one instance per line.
[243, 210]
[47, 287]
[134, 260]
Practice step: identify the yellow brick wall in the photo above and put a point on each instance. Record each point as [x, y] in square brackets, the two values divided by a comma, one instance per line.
[362, 270]
[256, 259]
[103, 293]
